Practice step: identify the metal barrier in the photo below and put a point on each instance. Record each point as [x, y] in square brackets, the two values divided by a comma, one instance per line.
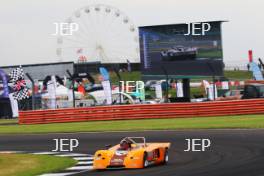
[42, 104]
[129, 112]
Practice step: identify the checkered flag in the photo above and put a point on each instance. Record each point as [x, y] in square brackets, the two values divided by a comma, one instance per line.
[19, 84]
[17, 74]
[22, 94]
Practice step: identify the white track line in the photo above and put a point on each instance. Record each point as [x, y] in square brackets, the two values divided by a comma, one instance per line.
[73, 155]
[83, 158]
[60, 174]
[10, 152]
[85, 162]
[80, 168]
[45, 153]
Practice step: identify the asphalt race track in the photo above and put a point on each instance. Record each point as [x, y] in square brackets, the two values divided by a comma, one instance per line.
[233, 152]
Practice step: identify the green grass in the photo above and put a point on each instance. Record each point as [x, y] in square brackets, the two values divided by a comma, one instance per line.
[246, 121]
[126, 76]
[209, 54]
[7, 121]
[172, 92]
[238, 75]
[31, 165]
[136, 75]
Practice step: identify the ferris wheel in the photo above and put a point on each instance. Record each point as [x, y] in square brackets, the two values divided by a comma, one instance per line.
[105, 34]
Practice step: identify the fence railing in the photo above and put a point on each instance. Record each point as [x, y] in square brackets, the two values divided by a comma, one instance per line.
[129, 112]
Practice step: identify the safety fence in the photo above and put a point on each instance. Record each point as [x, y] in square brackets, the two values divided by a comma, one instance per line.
[148, 111]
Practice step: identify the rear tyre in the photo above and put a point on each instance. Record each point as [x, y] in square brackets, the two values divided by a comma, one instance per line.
[145, 160]
[166, 156]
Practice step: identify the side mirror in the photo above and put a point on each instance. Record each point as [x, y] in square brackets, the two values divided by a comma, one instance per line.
[108, 146]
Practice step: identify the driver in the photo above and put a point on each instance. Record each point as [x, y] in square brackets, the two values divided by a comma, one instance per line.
[125, 145]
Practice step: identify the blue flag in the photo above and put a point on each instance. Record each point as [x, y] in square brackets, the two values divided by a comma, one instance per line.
[256, 71]
[5, 84]
[104, 73]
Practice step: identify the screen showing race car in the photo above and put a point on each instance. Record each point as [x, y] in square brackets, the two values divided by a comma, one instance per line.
[193, 49]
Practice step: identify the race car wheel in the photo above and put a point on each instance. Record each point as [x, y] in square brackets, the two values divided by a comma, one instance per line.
[166, 156]
[145, 160]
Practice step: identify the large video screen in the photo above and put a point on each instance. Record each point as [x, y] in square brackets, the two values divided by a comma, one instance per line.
[188, 50]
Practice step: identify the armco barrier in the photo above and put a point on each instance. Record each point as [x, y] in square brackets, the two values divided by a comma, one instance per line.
[129, 112]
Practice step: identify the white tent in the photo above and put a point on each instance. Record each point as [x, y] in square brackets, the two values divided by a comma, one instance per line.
[62, 91]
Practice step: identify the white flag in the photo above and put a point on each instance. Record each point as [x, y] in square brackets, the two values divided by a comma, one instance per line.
[107, 91]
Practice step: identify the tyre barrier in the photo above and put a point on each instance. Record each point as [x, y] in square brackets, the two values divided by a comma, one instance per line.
[145, 111]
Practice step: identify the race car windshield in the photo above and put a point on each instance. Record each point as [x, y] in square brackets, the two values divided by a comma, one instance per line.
[136, 140]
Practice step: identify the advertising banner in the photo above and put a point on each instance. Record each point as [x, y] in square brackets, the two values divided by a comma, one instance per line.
[51, 87]
[179, 88]
[107, 92]
[14, 105]
[158, 91]
[225, 85]
[211, 94]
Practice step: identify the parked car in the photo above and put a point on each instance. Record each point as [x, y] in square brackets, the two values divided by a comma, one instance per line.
[253, 91]
[231, 95]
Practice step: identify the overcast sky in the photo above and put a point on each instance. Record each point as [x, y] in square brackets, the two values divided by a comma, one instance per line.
[26, 25]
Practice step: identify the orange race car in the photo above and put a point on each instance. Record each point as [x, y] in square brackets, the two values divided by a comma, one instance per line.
[132, 152]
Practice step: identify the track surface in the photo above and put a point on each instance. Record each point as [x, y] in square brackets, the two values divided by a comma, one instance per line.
[233, 152]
